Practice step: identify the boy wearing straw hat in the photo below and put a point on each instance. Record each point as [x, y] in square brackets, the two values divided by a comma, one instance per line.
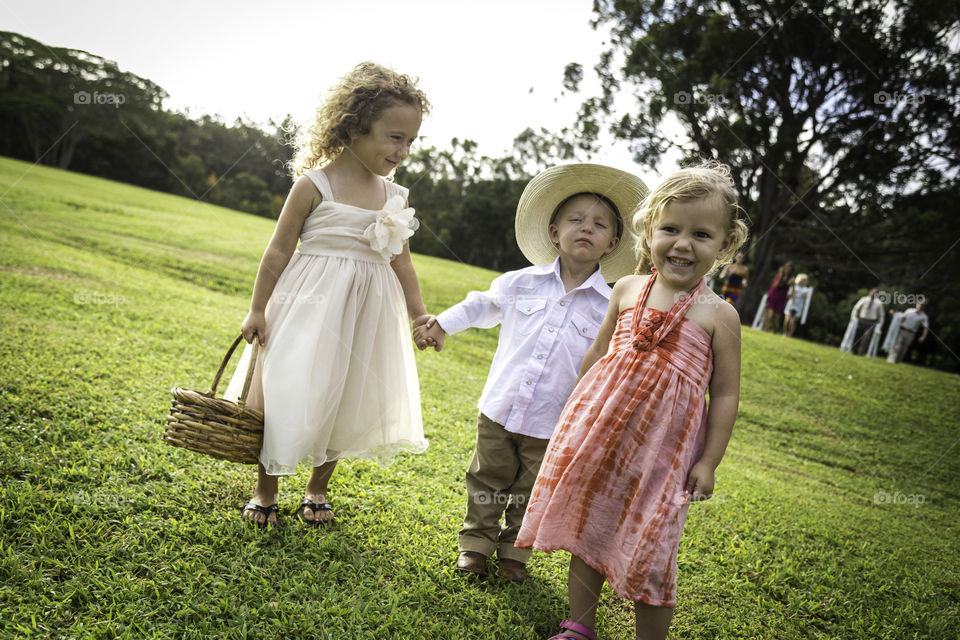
[570, 225]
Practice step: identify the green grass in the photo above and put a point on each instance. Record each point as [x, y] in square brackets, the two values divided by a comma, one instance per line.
[111, 295]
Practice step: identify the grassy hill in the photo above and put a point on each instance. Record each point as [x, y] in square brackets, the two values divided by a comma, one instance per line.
[834, 516]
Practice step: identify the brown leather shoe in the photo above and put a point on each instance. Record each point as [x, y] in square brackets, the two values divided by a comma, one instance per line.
[472, 562]
[512, 570]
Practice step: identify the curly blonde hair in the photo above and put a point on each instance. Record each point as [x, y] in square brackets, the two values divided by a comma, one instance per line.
[349, 110]
[708, 179]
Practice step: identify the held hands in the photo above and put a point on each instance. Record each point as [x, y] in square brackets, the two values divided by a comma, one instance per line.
[254, 324]
[428, 333]
[700, 482]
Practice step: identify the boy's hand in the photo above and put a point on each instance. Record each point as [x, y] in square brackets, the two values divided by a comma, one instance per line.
[420, 336]
[700, 482]
[435, 334]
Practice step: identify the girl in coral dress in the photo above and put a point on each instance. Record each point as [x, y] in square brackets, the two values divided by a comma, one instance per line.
[637, 441]
[336, 376]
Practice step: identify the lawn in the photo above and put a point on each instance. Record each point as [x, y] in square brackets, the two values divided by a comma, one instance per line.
[834, 515]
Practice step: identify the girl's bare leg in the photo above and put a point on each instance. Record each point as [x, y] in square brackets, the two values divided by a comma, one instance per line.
[789, 325]
[773, 321]
[583, 589]
[265, 494]
[652, 622]
[316, 491]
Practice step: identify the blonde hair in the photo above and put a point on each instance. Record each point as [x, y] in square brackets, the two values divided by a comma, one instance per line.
[349, 110]
[801, 277]
[708, 179]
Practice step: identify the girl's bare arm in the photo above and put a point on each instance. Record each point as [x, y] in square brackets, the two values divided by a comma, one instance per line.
[605, 333]
[403, 266]
[303, 199]
[724, 400]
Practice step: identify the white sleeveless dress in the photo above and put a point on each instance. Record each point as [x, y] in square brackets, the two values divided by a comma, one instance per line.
[337, 377]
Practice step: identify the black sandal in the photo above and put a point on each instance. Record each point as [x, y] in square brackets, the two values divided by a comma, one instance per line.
[315, 507]
[266, 511]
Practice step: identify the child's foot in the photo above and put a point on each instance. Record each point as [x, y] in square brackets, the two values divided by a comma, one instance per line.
[512, 570]
[472, 563]
[259, 514]
[315, 509]
[570, 630]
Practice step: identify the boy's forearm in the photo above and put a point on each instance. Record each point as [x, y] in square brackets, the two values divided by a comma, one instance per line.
[721, 414]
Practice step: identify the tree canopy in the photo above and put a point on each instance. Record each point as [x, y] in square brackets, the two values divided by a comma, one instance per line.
[823, 110]
[75, 110]
[836, 118]
[839, 120]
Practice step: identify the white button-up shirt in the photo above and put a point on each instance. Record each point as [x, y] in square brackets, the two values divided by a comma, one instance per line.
[544, 335]
[913, 320]
[867, 308]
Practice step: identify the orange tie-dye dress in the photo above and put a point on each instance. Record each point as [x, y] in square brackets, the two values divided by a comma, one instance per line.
[611, 486]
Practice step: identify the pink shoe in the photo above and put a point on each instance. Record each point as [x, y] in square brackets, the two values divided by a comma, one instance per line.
[576, 627]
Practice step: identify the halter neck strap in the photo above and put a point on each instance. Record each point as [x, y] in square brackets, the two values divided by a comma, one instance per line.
[664, 321]
[642, 299]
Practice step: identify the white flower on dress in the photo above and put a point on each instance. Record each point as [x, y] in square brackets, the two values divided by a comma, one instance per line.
[393, 225]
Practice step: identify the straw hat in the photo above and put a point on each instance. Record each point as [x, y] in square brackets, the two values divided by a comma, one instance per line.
[551, 187]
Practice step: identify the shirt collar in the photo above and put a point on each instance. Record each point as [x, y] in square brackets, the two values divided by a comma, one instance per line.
[595, 281]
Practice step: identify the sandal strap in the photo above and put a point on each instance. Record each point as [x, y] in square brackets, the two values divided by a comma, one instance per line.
[259, 508]
[583, 630]
[316, 506]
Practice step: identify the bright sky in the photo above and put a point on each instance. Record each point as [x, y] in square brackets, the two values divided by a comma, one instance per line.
[490, 68]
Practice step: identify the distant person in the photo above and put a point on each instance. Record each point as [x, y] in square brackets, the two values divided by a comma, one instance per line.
[913, 322]
[570, 225]
[868, 314]
[798, 303]
[637, 440]
[777, 297]
[734, 277]
[336, 376]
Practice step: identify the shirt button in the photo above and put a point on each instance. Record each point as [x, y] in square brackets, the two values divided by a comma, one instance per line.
[563, 303]
[539, 356]
[550, 329]
[528, 382]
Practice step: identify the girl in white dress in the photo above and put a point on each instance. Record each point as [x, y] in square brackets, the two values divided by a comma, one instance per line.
[335, 376]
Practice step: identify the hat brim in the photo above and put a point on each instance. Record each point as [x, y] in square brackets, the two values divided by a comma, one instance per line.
[551, 187]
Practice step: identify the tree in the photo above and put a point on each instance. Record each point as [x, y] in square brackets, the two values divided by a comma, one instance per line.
[467, 203]
[72, 109]
[52, 98]
[827, 112]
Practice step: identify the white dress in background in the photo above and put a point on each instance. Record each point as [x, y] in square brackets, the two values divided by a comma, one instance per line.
[337, 377]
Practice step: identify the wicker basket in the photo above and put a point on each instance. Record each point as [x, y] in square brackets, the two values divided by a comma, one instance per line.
[216, 427]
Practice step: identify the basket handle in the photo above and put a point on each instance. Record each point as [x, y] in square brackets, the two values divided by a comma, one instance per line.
[242, 400]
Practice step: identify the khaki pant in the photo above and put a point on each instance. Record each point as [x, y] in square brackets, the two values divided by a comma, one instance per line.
[901, 346]
[499, 482]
